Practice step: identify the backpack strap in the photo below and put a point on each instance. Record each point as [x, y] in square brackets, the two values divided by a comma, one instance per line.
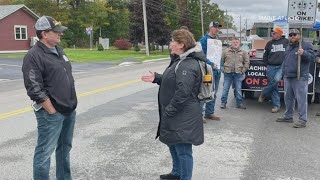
[176, 68]
[205, 66]
[175, 71]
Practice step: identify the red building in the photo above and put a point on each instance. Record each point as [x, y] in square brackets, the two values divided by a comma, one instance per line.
[16, 28]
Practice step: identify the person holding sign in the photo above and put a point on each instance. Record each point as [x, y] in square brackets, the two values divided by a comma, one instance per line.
[296, 89]
[212, 47]
[235, 64]
[273, 57]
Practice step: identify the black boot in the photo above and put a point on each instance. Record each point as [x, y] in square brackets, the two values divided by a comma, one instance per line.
[169, 176]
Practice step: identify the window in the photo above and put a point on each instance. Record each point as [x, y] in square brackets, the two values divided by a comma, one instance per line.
[262, 32]
[306, 33]
[20, 32]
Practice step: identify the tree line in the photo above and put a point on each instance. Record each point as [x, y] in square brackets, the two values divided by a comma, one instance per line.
[123, 19]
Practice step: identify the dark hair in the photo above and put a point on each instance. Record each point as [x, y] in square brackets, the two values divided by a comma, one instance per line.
[39, 33]
[184, 37]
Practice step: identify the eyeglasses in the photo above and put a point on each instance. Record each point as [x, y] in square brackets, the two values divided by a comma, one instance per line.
[50, 30]
[293, 34]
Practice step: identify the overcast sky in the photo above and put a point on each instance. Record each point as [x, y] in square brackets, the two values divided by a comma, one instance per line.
[253, 10]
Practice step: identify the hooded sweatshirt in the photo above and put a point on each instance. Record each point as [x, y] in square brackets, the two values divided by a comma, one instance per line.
[274, 51]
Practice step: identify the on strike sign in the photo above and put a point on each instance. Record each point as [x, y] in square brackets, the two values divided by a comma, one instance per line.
[302, 11]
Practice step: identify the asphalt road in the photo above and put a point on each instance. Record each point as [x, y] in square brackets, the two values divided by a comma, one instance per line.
[116, 124]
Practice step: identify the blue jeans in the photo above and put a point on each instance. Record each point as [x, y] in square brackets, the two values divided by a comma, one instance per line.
[210, 105]
[296, 90]
[55, 132]
[236, 79]
[182, 160]
[274, 75]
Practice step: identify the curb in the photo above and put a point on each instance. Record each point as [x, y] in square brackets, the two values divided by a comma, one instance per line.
[128, 63]
[154, 60]
[146, 61]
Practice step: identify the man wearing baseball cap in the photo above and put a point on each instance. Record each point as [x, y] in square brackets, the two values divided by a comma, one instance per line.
[296, 90]
[50, 85]
[273, 57]
[214, 28]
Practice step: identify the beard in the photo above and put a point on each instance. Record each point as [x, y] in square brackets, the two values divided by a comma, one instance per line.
[294, 41]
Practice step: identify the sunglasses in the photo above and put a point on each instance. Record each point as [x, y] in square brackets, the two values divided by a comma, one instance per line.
[50, 30]
[293, 34]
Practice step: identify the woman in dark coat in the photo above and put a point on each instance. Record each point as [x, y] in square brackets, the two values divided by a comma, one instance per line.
[180, 124]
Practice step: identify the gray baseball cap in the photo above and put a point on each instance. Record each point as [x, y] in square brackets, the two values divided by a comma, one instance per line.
[48, 23]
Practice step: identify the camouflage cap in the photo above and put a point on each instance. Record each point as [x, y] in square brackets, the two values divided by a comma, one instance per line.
[296, 31]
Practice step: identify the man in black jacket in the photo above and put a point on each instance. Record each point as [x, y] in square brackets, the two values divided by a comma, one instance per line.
[50, 84]
[273, 57]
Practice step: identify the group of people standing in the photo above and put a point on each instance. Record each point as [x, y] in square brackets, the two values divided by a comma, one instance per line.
[50, 84]
[234, 63]
[182, 129]
[281, 56]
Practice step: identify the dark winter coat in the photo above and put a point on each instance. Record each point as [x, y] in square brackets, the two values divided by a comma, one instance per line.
[179, 107]
[290, 63]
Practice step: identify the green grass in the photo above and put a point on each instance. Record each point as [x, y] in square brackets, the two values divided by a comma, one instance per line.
[85, 55]
[13, 55]
[108, 55]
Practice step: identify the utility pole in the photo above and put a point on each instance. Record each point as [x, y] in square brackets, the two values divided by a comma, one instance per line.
[91, 38]
[201, 17]
[227, 25]
[246, 24]
[145, 27]
[240, 28]
[246, 28]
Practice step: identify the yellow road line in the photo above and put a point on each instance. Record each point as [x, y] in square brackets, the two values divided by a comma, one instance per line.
[95, 91]
[109, 88]
[16, 112]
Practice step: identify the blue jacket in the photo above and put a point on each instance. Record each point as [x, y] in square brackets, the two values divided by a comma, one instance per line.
[203, 42]
[290, 62]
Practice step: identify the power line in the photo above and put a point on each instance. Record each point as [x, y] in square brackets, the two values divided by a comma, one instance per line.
[171, 11]
[193, 18]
